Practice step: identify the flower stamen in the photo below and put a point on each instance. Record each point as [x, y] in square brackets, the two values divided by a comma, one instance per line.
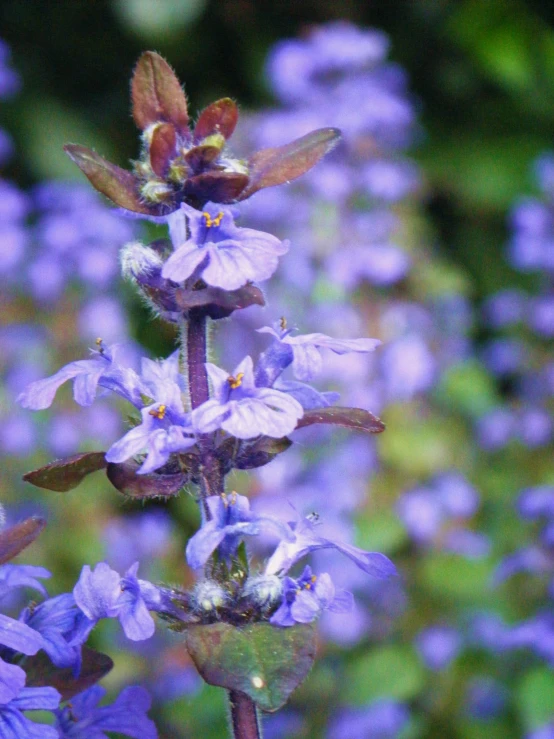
[235, 382]
[215, 221]
[159, 412]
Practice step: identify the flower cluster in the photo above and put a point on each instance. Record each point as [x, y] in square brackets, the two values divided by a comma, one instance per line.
[59, 626]
[193, 421]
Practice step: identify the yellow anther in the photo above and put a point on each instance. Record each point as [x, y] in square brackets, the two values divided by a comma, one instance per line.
[159, 413]
[283, 323]
[234, 497]
[235, 382]
[100, 344]
[215, 221]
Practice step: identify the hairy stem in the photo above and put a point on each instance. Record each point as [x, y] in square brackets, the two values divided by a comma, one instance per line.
[196, 353]
[244, 716]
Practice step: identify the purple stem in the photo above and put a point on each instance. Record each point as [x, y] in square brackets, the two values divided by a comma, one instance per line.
[197, 358]
[244, 716]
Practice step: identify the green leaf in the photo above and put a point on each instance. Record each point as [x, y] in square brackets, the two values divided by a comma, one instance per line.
[389, 671]
[455, 578]
[263, 661]
[350, 418]
[467, 387]
[534, 697]
[65, 474]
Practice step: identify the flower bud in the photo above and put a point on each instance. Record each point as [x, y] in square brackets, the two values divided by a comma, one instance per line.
[209, 596]
[263, 591]
[139, 261]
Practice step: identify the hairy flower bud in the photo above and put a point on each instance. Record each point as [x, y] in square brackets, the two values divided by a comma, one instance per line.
[139, 261]
[143, 264]
[208, 596]
[264, 591]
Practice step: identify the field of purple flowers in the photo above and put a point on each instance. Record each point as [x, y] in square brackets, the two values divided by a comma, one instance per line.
[302, 397]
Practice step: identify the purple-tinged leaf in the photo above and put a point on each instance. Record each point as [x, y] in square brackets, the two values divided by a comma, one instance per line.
[351, 418]
[157, 94]
[263, 661]
[41, 673]
[162, 148]
[219, 303]
[112, 181]
[269, 167]
[18, 537]
[200, 157]
[261, 452]
[65, 474]
[219, 187]
[125, 479]
[219, 117]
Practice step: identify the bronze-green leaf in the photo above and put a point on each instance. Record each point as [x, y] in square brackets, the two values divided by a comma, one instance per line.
[18, 537]
[112, 181]
[65, 474]
[219, 117]
[262, 451]
[219, 303]
[269, 167]
[266, 662]
[125, 479]
[351, 418]
[41, 672]
[157, 94]
[162, 148]
[220, 187]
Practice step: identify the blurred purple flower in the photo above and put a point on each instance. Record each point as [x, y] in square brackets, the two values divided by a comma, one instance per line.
[85, 719]
[438, 646]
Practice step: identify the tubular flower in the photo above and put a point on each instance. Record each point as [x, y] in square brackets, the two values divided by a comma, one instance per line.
[244, 410]
[220, 252]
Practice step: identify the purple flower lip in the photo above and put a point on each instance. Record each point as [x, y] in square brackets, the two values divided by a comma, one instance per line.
[218, 251]
[244, 410]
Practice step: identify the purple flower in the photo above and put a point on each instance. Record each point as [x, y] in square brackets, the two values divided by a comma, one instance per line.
[304, 599]
[303, 352]
[485, 698]
[223, 254]
[14, 724]
[58, 620]
[536, 502]
[102, 370]
[143, 536]
[231, 519]
[543, 732]
[163, 431]
[85, 719]
[384, 719]
[20, 638]
[21, 576]
[306, 540]
[438, 646]
[103, 593]
[244, 410]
